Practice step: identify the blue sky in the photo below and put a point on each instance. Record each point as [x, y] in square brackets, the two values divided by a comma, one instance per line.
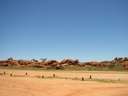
[57, 29]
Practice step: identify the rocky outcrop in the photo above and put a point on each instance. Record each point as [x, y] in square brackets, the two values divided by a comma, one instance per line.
[44, 63]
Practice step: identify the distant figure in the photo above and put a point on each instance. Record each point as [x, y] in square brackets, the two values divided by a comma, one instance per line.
[4, 73]
[90, 77]
[82, 78]
[42, 76]
[26, 73]
[54, 75]
[11, 74]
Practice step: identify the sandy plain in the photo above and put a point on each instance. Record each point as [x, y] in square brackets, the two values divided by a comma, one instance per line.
[30, 85]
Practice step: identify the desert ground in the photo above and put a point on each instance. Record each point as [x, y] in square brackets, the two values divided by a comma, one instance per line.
[65, 83]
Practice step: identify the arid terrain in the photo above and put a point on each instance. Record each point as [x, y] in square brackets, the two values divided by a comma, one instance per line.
[64, 83]
[116, 64]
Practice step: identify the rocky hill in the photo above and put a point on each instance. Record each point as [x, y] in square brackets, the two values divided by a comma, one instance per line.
[116, 63]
